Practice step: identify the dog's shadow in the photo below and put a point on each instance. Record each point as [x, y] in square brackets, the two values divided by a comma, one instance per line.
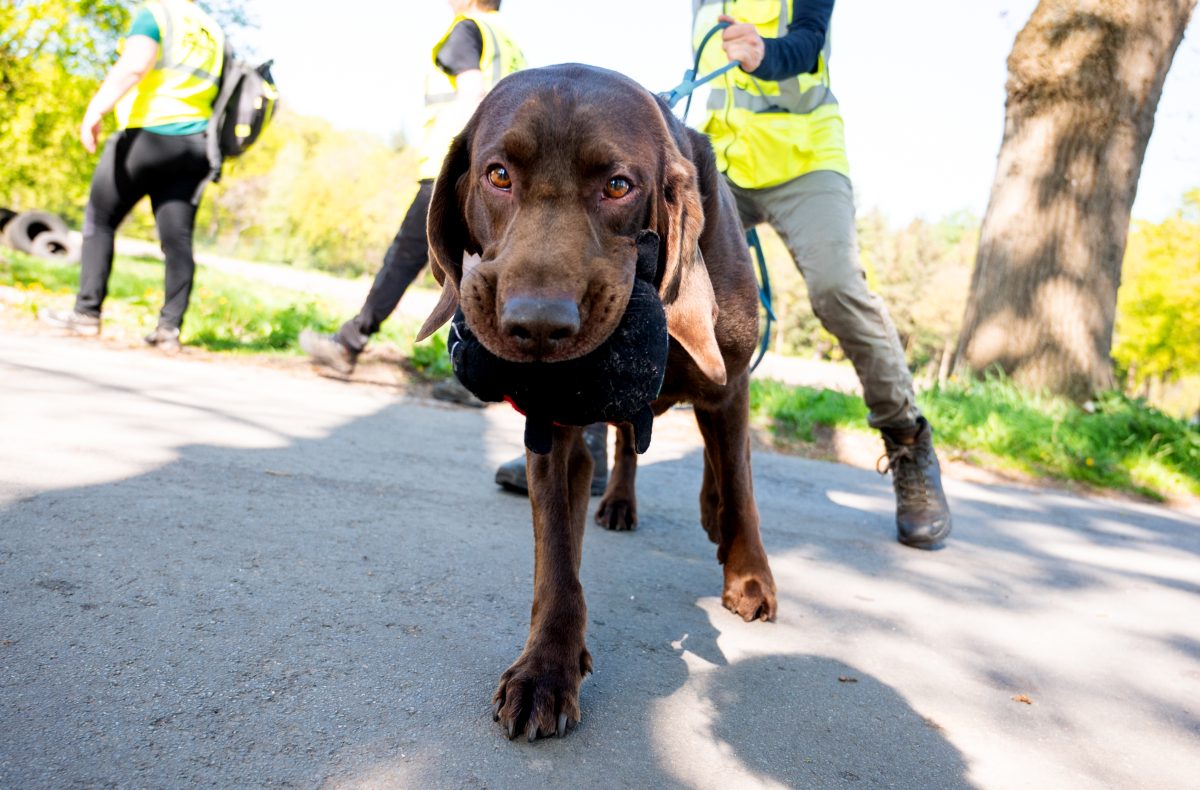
[757, 716]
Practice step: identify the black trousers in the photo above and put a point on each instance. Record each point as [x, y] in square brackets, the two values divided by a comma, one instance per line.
[407, 255]
[136, 163]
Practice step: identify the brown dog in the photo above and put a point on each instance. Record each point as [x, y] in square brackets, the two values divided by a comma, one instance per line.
[531, 230]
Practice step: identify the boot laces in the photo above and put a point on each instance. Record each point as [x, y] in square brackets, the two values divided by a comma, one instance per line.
[904, 462]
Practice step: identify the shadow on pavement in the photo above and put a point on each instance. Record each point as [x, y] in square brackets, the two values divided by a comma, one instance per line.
[336, 611]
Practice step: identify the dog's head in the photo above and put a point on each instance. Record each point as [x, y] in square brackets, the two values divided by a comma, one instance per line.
[534, 216]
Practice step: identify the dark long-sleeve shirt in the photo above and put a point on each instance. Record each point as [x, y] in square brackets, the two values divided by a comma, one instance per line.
[798, 50]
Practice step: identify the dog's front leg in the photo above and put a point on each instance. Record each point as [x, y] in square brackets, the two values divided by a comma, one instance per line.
[539, 693]
[728, 511]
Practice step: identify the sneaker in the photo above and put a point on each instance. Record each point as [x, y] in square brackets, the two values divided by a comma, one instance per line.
[328, 352]
[451, 390]
[74, 321]
[165, 339]
[511, 475]
[922, 513]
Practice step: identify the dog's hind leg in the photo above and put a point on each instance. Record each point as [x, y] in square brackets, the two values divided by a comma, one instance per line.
[618, 508]
[710, 498]
[539, 693]
[727, 507]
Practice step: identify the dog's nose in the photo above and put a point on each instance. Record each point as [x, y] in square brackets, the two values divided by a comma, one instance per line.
[539, 324]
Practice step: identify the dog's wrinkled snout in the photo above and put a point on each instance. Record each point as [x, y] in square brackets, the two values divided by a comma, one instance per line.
[539, 325]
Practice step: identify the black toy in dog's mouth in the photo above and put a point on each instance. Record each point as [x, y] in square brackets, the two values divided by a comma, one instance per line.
[614, 383]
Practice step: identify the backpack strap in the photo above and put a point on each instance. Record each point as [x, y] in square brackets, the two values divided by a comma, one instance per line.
[231, 75]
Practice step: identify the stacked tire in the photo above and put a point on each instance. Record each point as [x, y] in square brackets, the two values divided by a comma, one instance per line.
[38, 233]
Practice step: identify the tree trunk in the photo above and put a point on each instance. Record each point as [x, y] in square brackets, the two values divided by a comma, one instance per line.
[1085, 78]
[943, 374]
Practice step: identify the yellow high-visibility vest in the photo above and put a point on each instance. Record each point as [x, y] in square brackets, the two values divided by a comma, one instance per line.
[443, 117]
[765, 133]
[184, 81]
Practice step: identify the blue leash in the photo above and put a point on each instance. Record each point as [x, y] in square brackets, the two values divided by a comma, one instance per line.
[672, 97]
[690, 83]
[764, 295]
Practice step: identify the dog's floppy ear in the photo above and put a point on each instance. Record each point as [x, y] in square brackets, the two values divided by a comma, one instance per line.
[686, 290]
[447, 231]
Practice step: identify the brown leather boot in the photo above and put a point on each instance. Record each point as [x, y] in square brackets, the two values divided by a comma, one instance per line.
[511, 474]
[922, 513]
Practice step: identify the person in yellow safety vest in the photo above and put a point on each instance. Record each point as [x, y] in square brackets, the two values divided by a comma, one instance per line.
[779, 139]
[162, 88]
[472, 56]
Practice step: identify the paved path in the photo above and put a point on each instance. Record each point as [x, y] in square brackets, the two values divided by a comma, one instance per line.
[220, 575]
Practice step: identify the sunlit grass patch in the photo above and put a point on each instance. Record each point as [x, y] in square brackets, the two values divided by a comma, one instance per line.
[1118, 442]
[792, 412]
[226, 312]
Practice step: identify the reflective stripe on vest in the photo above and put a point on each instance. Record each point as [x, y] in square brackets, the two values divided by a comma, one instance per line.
[184, 81]
[444, 117]
[765, 132]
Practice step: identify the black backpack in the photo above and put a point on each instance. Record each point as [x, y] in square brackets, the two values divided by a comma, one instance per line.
[244, 106]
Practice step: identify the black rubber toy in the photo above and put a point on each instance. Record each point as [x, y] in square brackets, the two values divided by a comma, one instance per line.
[614, 383]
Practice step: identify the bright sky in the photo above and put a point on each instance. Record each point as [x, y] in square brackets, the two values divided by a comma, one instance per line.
[921, 83]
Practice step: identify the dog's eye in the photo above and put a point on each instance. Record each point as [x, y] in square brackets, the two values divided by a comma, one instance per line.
[499, 177]
[617, 188]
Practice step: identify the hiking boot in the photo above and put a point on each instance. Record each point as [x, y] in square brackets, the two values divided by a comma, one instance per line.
[922, 513]
[165, 339]
[328, 352]
[595, 436]
[74, 321]
[451, 390]
[511, 475]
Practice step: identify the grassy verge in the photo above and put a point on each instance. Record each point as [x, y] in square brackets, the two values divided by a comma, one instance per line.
[1121, 444]
[227, 313]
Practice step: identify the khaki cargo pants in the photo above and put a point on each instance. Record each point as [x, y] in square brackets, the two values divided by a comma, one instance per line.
[814, 215]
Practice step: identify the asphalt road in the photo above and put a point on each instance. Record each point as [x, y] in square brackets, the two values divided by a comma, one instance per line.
[219, 575]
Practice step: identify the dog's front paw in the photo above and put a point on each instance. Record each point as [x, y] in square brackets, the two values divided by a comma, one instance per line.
[539, 694]
[749, 591]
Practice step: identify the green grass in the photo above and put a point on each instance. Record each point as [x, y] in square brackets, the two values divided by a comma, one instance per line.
[226, 313]
[1121, 443]
[792, 412]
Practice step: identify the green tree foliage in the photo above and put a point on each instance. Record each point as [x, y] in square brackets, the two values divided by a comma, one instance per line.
[52, 56]
[311, 195]
[307, 193]
[1158, 306]
[922, 273]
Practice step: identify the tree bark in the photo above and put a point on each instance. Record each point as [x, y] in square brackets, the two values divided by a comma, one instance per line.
[1085, 77]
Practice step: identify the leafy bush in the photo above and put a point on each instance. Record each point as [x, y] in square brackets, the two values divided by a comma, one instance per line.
[1157, 335]
[52, 55]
